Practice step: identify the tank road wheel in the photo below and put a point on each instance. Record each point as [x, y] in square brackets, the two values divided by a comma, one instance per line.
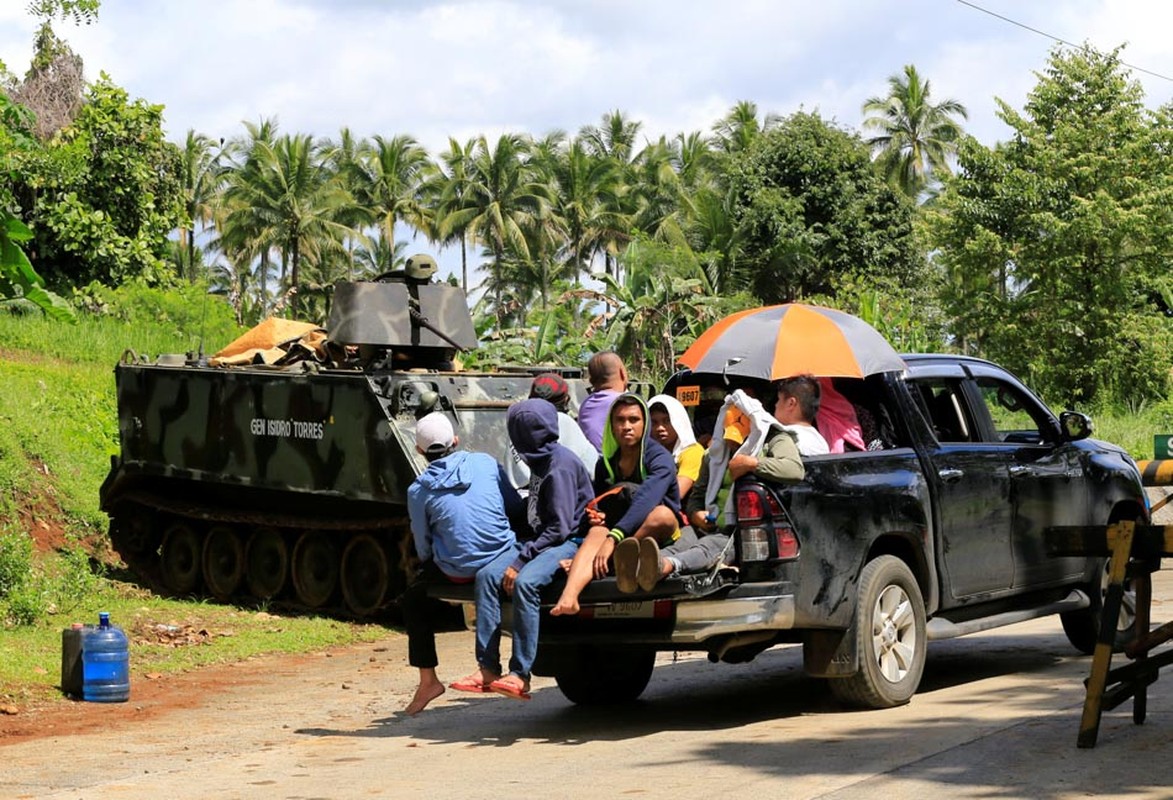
[266, 563]
[223, 562]
[180, 558]
[366, 574]
[134, 532]
[315, 568]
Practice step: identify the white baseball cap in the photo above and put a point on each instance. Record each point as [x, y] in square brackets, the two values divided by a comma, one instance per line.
[433, 433]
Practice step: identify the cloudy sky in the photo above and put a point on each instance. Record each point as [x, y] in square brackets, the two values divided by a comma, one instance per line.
[466, 67]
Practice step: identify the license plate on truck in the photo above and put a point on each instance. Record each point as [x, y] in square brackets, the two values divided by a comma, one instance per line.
[633, 609]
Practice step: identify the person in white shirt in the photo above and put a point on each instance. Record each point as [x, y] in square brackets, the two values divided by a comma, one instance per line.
[796, 408]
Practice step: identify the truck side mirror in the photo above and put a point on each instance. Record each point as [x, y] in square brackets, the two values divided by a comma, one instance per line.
[1075, 425]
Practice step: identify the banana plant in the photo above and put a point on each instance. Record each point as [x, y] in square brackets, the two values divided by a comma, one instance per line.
[18, 279]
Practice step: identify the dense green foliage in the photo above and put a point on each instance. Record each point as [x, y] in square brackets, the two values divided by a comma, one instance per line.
[1044, 252]
[812, 213]
[103, 195]
[1054, 246]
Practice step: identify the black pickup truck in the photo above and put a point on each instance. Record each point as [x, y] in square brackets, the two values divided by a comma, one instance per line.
[935, 533]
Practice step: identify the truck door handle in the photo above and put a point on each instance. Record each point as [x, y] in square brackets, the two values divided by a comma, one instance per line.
[1017, 471]
[950, 475]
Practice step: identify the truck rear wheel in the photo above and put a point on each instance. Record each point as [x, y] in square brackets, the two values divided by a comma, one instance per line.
[594, 676]
[890, 636]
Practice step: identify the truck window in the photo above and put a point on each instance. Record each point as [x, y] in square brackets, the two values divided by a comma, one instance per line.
[1015, 415]
[943, 405]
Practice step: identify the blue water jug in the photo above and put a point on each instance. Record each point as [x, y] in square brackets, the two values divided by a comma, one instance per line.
[105, 663]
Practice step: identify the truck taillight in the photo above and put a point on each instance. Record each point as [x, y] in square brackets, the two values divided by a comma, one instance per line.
[750, 506]
[755, 544]
[787, 542]
[764, 529]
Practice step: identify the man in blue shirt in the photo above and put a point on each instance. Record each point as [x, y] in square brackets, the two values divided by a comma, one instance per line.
[459, 520]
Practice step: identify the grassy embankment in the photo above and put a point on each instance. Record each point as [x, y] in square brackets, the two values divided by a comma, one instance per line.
[58, 429]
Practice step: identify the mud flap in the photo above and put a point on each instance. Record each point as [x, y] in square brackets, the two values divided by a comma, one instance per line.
[830, 654]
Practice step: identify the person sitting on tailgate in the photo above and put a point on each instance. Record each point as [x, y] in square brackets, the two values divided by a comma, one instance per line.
[653, 516]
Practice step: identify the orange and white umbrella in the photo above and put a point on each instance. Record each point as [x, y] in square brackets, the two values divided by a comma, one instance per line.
[792, 339]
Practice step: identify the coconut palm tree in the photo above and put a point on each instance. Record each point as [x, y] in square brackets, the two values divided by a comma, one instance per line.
[293, 196]
[738, 129]
[503, 200]
[378, 256]
[916, 137]
[244, 235]
[387, 180]
[202, 176]
[447, 193]
[584, 188]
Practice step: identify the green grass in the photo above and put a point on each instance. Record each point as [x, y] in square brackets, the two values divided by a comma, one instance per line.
[30, 657]
[94, 340]
[58, 429]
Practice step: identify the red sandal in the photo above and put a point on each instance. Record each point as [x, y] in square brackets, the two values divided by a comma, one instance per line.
[473, 684]
[509, 687]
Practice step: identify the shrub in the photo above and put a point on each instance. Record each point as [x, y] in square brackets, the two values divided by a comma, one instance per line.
[16, 559]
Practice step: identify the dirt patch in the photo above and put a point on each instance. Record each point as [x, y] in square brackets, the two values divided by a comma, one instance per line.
[40, 514]
[151, 696]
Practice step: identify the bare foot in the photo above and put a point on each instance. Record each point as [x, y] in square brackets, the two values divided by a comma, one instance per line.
[425, 693]
[564, 608]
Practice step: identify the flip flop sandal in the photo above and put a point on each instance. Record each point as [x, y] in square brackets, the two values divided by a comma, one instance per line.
[626, 561]
[509, 689]
[471, 684]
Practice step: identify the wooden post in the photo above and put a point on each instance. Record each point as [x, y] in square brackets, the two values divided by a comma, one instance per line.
[1120, 542]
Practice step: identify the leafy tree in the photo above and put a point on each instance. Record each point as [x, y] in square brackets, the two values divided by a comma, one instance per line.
[916, 137]
[80, 11]
[1055, 244]
[658, 309]
[105, 193]
[810, 212]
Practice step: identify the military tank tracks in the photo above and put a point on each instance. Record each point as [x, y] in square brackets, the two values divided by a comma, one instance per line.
[345, 567]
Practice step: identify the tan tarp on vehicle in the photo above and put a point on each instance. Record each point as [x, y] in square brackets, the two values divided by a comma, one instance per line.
[271, 341]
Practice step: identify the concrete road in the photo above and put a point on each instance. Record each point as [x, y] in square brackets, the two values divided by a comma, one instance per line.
[996, 717]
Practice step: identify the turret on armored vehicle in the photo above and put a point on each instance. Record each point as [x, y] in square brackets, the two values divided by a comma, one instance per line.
[285, 478]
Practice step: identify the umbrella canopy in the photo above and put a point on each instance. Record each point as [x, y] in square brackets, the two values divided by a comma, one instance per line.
[792, 339]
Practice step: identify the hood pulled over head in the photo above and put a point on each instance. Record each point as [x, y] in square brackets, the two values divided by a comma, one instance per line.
[678, 417]
[533, 428]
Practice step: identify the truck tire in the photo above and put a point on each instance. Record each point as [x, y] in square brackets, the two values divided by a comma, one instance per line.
[595, 676]
[1083, 627]
[890, 636]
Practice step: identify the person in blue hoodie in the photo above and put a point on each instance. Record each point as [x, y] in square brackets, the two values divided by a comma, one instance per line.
[559, 490]
[653, 516]
[460, 523]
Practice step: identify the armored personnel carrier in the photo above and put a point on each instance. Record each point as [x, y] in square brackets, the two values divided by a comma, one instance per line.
[287, 481]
